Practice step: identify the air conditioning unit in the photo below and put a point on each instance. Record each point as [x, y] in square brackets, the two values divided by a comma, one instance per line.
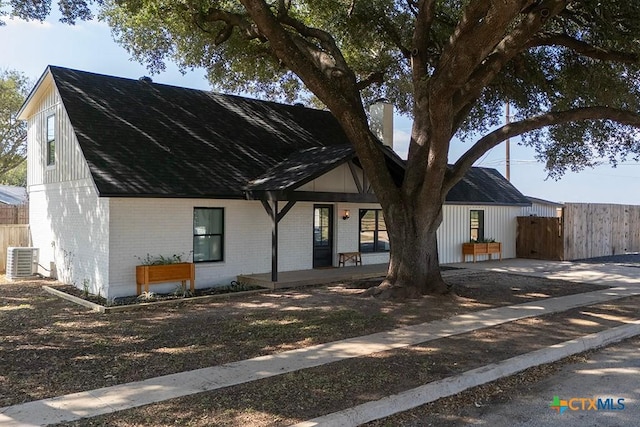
[22, 262]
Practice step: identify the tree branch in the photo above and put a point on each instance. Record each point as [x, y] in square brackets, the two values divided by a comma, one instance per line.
[514, 129]
[424, 19]
[582, 48]
[231, 20]
[326, 40]
[375, 77]
[512, 44]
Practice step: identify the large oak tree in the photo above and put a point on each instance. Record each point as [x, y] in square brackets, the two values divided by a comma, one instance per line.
[569, 68]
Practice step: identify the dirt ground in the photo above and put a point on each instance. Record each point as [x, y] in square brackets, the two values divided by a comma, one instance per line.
[52, 347]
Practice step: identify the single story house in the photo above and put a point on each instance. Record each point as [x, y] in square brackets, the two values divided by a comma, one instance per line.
[121, 168]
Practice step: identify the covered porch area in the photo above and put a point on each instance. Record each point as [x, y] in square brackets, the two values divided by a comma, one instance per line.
[317, 276]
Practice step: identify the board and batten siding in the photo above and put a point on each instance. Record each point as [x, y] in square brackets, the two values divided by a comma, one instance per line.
[69, 222]
[540, 209]
[499, 223]
[70, 164]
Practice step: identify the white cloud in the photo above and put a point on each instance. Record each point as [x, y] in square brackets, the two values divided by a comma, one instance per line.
[21, 23]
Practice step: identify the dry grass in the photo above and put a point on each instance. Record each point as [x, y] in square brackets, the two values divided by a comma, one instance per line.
[51, 347]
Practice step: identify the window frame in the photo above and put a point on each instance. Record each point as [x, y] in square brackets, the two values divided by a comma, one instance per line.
[376, 231]
[480, 226]
[221, 234]
[50, 141]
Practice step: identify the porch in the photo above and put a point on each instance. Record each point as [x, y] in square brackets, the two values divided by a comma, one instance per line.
[317, 276]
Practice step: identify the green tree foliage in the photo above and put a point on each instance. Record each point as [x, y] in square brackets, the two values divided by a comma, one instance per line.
[13, 132]
[16, 176]
[568, 68]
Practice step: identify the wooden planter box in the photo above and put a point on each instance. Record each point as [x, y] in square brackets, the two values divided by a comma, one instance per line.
[150, 274]
[476, 249]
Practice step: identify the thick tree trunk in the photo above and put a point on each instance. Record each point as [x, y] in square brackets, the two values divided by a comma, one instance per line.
[414, 268]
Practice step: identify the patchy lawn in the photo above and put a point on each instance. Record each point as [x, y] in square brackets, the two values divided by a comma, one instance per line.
[51, 347]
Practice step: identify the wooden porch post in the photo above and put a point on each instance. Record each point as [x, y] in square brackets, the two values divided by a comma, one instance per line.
[275, 216]
[274, 241]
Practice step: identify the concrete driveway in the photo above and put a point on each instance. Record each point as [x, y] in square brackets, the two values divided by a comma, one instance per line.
[610, 274]
[612, 372]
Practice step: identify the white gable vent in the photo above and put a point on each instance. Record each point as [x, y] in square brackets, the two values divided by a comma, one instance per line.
[21, 262]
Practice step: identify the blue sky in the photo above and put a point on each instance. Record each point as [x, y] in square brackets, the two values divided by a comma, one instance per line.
[31, 46]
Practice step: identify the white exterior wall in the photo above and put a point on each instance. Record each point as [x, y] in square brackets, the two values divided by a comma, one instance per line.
[499, 223]
[68, 222]
[338, 180]
[540, 209]
[165, 227]
[347, 233]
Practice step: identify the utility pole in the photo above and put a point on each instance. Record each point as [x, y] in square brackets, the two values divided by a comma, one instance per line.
[508, 148]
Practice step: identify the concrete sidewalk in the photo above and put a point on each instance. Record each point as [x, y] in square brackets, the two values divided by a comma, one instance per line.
[124, 396]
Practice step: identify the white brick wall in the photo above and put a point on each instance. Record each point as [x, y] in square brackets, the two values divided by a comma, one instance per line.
[69, 223]
[165, 227]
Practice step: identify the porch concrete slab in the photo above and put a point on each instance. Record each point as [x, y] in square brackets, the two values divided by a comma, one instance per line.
[124, 396]
[317, 276]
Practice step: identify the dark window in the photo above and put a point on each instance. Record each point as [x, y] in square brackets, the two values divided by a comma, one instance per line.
[477, 225]
[373, 231]
[51, 140]
[208, 234]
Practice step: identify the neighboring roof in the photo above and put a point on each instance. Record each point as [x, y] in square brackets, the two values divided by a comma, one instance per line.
[12, 195]
[143, 139]
[487, 187]
[544, 202]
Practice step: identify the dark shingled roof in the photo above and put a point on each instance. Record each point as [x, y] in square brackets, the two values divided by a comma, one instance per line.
[143, 139]
[485, 186]
[148, 139]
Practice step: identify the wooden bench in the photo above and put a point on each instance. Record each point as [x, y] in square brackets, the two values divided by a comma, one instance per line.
[345, 257]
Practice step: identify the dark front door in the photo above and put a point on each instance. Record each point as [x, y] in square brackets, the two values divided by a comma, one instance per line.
[322, 236]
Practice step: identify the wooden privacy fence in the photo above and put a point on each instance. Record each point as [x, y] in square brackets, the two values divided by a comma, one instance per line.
[539, 238]
[586, 230]
[12, 235]
[14, 214]
[595, 229]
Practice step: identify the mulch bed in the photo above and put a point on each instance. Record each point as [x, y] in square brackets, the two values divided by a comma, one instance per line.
[178, 294]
